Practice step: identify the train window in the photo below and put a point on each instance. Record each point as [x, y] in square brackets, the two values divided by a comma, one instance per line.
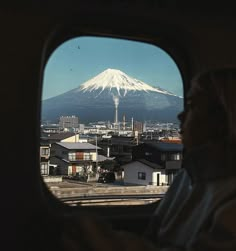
[106, 103]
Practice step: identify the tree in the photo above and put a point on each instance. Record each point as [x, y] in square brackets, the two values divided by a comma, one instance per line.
[108, 165]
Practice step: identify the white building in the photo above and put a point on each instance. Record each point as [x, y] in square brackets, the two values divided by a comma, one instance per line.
[143, 172]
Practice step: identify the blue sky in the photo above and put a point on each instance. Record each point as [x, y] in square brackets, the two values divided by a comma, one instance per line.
[80, 59]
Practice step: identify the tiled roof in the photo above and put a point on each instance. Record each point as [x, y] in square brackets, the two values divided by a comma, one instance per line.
[76, 146]
[60, 136]
[166, 147]
[44, 142]
[145, 162]
[150, 164]
[120, 140]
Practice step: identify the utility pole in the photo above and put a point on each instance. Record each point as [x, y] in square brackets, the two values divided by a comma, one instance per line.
[96, 153]
[75, 134]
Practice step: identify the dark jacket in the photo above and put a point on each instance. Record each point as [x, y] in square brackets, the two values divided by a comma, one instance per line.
[199, 210]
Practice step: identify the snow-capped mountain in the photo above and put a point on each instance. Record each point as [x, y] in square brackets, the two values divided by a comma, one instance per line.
[116, 79]
[96, 99]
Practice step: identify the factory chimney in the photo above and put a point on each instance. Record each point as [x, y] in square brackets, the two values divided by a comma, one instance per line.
[124, 122]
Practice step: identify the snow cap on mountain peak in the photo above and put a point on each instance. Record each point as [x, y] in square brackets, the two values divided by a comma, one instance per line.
[113, 78]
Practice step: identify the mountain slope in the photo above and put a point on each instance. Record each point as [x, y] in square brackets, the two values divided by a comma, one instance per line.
[94, 100]
[116, 79]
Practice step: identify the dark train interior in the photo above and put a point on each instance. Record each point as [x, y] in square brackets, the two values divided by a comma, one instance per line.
[197, 39]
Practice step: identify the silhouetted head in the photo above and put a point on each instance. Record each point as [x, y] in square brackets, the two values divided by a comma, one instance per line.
[210, 111]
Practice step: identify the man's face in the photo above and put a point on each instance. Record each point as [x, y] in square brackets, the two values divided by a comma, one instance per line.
[195, 120]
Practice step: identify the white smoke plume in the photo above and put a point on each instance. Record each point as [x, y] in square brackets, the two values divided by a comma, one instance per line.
[116, 100]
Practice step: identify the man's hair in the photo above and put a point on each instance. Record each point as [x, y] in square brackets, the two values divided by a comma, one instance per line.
[220, 86]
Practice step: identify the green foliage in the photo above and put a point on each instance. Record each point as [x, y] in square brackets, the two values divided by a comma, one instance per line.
[108, 165]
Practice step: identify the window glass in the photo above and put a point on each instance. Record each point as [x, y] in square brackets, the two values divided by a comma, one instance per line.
[44, 168]
[44, 151]
[175, 156]
[109, 112]
[141, 176]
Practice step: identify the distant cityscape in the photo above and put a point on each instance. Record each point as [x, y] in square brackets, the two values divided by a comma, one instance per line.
[105, 128]
[139, 153]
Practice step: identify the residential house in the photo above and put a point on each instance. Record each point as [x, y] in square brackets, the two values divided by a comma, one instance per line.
[119, 147]
[47, 167]
[153, 163]
[48, 129]
[63, 136]
[143, 172]
[44, 157]
[70, 137]
[75, 158]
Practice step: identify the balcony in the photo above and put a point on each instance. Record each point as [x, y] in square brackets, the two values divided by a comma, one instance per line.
[80, 159]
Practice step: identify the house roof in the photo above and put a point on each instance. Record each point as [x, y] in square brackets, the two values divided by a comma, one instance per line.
[64, 160]
[44, 142]
[85, 136]
[60, 136]
[103, 158]
[77, 146]
[120, 140]
[147, 163]
[150, 164]
[166, 147]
